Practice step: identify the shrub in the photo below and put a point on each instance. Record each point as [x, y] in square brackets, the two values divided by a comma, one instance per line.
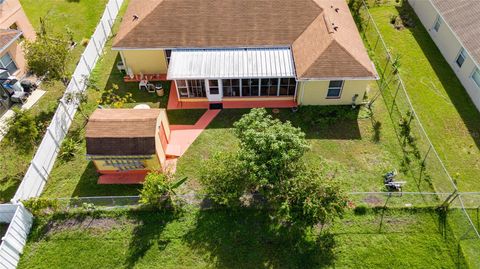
[159, 190]
[85, 42]
[360, 210]
[48, 53]
[40, 205]
[22, 130]
[223, 178]
[69, 148]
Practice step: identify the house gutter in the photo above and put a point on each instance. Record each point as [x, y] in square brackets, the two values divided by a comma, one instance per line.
[15, 38]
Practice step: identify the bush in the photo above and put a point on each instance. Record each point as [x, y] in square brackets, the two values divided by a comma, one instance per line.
[40, 205]
[69, 149]
[47, 55]
[360, 210]
[22, 130]
[159, 189]
[223, 178]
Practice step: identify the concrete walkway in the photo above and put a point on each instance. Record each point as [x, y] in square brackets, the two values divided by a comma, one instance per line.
[31, 100]
[182, 136]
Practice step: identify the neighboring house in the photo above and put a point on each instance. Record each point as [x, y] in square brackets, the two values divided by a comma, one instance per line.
[14, 26]
[305, 52]
[454, 26]
[125, 144]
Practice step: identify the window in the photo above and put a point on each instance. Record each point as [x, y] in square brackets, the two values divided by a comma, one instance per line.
[182, 88]
[231, 87]
[476, 76]
[461, 57]
[7, 62]
[438, 23]
[249, 87]
[287, 86]
[191, 88]
[269, 87]
[335, 89]
[196, 88]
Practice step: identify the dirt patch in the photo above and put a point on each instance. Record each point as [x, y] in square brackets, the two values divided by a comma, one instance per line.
[101, 224]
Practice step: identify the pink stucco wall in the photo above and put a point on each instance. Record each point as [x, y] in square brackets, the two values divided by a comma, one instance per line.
[11, 12]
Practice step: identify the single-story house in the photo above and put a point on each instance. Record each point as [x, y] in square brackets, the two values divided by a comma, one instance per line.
[454, 26]
[125, 144]
[14, 26]
[299, 52]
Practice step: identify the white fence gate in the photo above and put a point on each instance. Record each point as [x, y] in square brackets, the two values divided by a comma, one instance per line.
[16, 236]
[42, 163]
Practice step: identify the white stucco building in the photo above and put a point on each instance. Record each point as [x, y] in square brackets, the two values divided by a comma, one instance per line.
[454, 26]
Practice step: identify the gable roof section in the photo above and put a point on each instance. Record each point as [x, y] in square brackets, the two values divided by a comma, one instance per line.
[321, 50]
[214, 23]
[462, 17]
[122, 132]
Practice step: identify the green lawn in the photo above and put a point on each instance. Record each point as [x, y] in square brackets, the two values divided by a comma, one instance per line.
[343, 141]
[240, 239]
[443, 105]
[81, 17]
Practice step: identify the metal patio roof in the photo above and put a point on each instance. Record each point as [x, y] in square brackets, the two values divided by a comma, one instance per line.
[231, 63]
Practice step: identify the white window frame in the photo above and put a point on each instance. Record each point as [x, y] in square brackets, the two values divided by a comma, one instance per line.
[475, 70]
[437, 24]
[335, 88]
[3, 65]
[462, 53]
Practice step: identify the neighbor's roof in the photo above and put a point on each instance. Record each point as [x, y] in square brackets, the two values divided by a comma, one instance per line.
[320, 49]
[122, 132]
[7, 36]
[463, 17]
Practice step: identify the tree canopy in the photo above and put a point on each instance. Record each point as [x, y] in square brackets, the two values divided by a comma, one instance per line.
[269, 163]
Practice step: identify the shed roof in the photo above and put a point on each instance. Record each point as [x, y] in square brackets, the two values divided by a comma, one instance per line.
[463, 17]
[122, 132]
[304, 25]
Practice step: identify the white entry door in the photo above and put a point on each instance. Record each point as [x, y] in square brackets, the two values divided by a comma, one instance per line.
[214, 90]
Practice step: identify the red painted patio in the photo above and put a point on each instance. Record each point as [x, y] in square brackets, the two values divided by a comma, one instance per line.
[182, 136]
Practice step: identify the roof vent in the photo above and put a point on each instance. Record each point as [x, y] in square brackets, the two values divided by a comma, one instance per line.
[328, 24]
[135, 17]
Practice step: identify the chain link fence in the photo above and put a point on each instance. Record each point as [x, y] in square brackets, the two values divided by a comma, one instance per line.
[436, 186]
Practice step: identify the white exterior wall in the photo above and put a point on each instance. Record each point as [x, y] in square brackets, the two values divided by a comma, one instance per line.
[449, 46]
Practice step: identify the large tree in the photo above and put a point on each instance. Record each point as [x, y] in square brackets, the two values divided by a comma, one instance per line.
[269, 163]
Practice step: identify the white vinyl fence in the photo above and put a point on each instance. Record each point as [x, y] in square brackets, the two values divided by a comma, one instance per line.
[42, 163]
[16, 235]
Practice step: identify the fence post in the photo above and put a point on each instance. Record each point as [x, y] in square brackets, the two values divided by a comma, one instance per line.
[110, 23]
[65, 109]
[76, 83]
[49, 131]
[38, 171]
[86, 63]
[104, 30]
[96, 47]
